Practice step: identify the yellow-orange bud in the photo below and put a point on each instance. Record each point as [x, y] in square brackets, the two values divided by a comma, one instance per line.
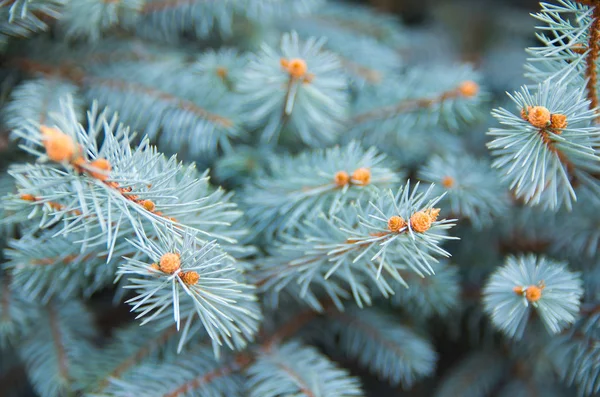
[420, 221]
[149, 205]
[341, 178]
[518, 290]
[59, 146]
[170, 263]
[361, 176]
[558, 121]
[221, 72]
[190, 278]
[297, 67]
[539, 116]
[448, 182]
[433, 213]
[533, 293]
[525, 113]
[396, 223]
[468, 88]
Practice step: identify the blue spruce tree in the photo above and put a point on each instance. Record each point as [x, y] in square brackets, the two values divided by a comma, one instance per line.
[276, 198]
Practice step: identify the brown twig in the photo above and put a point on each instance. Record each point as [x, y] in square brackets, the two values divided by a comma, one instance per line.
[5, 302]
[406, 106]
[76, 75]
[165, 96]
[61, 354]
[143, 352]
[163, 5]
[591, 59]
[244, 359]
[562, 157]
[204, 379]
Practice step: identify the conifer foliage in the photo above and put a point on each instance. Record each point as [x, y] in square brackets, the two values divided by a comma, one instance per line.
[275, 198]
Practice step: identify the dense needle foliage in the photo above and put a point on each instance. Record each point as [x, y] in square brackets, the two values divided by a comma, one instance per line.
[276, 198]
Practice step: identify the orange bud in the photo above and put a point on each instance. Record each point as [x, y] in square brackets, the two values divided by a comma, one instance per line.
[222, 72]
[361, 176]
[558, 122]
[420, 221]
[59, 146]
[468, 88]
[190, 278]
[539, 117]
[148, 205]
[525, 112]
[297, 67]
[448, 182]
[433, 213]
[533, 293]
[341, 178]
[518, 290]
[170, 263]
[396, 223]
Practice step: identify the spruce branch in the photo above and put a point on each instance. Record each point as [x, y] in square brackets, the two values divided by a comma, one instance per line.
[116, 187]
[298, 85]
[169, 20]
[45, 266]
[89, 19]
[296, 186]
[160, 91]
[528, 283]
[193, 372]
[36, 100]
[428, 296]
[476, 375]
[23, 18]
[411, 100]
[129, 348]
[473, 190]
[358, 248]
[466, 89]
[17, 314]
[381, 343]
[574, 353]
[358, 37]
[293, 369]
[570, 50]
[548, 149]
[187, 278]
[56, 349]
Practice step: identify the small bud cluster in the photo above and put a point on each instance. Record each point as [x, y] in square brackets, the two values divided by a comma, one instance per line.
[360, 176]
[297, 69]
[62, 148]
[170, 263]
[532, 293]
[540, 117]
[420, 221]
